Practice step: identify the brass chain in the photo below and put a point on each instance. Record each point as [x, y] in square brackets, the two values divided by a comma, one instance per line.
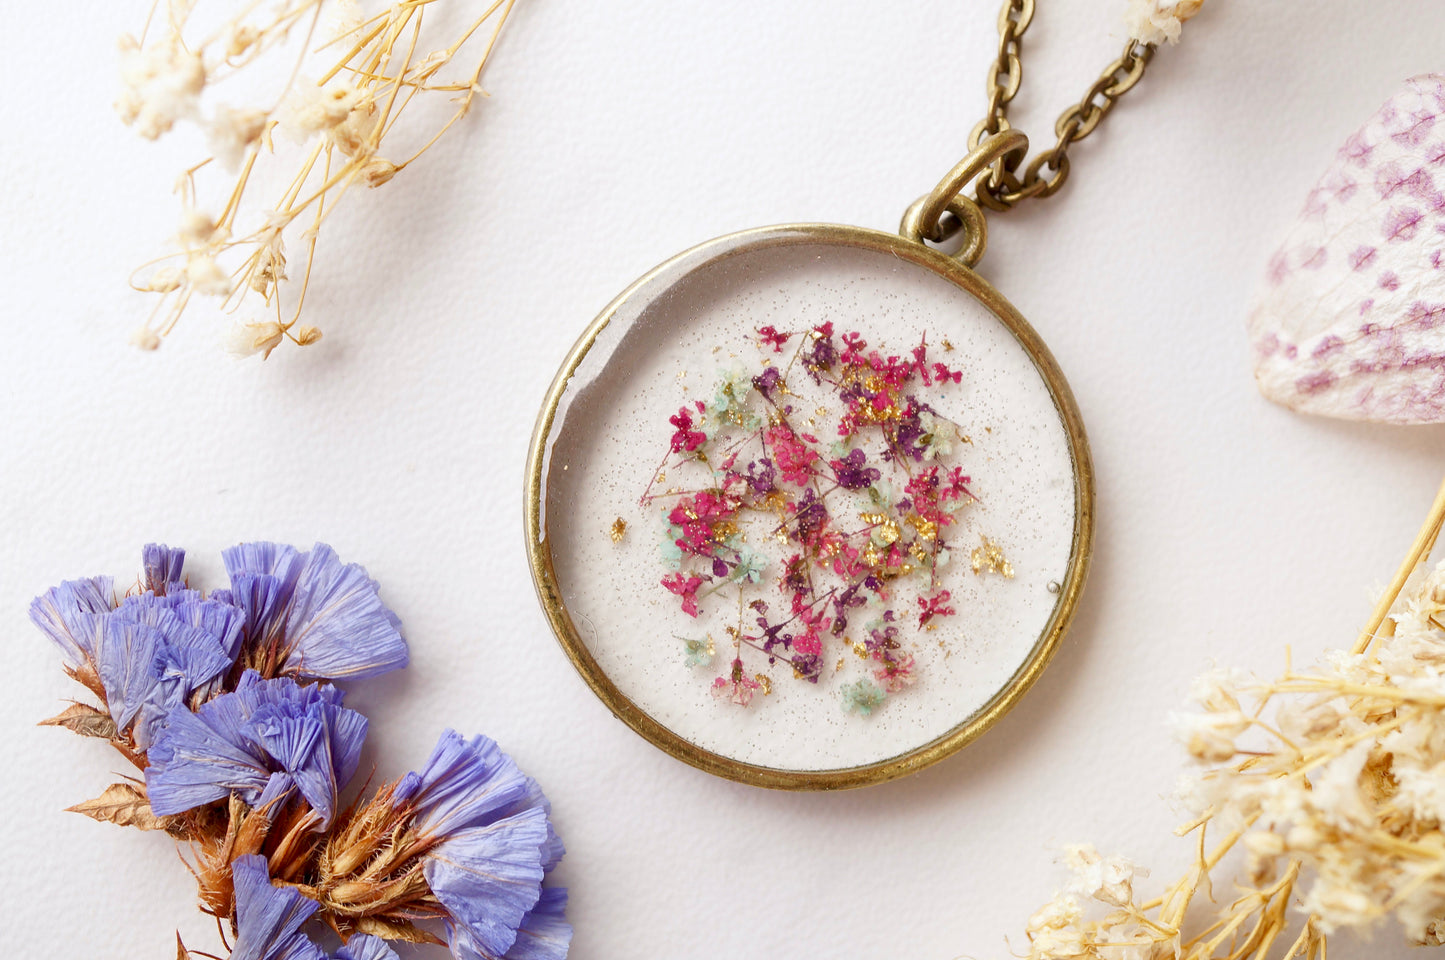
[1002, 186]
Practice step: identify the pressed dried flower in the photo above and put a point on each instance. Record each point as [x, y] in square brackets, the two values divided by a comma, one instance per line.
[1333, 782]
[245, 760]
[762, 471]
[372, 70]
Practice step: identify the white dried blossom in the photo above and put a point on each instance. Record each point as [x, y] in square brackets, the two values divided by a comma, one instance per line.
[246, 339]
[240, 37]
[1054, 933]
[198, 230]
[343, 18]
[353, 134]
[1217, 690]
[206, 276]
[1120, 936]
[1106, 879]
[159, 84]
[1159, 21]
[270, 262]
[1338, 803]
[1337, 906]
[232, 132]
[379, 60]
[1209, 737]
[145, 338]
[310, 109]
[165, 279]
[1062, 911]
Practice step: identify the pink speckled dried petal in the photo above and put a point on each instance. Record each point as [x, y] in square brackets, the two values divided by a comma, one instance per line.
[1351, 322]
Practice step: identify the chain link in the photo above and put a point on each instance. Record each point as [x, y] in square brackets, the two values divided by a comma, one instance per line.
[1002, 186]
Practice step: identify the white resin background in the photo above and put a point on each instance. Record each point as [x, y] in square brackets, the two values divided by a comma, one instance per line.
[617, 135]
[667, 346]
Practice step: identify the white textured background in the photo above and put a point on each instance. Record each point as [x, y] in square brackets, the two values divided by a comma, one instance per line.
[618, 134]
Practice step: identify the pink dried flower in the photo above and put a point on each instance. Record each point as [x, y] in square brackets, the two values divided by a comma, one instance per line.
[895, 674]
[934, 606]
[793, 458]
[686, 438]
[737, 688]
[685, 587]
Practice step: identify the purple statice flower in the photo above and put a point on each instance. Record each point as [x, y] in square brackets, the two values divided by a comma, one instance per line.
[363, 946]
[263, 579]
[544, 933]
[162, 568]
[310, 615]
[490, 844]
[149, 668]
[262, 741]
[67, 614]
[269, 919]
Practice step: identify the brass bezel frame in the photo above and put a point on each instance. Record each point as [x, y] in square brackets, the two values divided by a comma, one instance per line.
[539, 554]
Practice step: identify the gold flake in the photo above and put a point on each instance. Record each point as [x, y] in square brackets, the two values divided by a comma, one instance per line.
[765, 682]
[860, 650]
[619, 530]
[927, 529]
[947, 347]
[885, 527]
[989, 558]
[839, 665]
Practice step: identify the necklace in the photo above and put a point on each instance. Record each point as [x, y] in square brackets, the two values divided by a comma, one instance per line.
[810, 506]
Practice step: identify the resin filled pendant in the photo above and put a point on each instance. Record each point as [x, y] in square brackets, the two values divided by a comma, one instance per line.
[809, 506]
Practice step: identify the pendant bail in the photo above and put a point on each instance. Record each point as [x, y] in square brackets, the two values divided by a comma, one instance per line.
[925, 217]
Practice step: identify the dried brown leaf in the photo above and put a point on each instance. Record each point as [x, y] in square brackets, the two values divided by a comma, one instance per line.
[123, 804]
[395, 930]
[85, 720]
[181, 952]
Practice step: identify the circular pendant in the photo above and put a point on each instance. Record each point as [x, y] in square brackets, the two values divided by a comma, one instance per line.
[809, 506]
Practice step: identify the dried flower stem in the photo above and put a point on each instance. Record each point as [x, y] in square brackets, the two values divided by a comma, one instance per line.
[346, 117]
[1419, 550]
[1339, 804]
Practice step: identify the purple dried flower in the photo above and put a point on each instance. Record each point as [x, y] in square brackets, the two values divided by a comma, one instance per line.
[338, 627]
[67, 615]
[310, 615]
[162, 568]
[544, 934]
[766, 383]
[269, 921]
[762, 476]
[808, 666]
[263, 577]
[131, 667]
[268, 918]
[267, 733]
[365, 947]
[853, 473]
[493, 841]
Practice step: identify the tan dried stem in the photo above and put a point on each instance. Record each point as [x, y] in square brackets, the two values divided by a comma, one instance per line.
[384, 77]
[1419, 550]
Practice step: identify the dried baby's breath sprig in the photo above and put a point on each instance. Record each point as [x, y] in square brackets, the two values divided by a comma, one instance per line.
[1330, 782]
[1159, 21]
[341, 85]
